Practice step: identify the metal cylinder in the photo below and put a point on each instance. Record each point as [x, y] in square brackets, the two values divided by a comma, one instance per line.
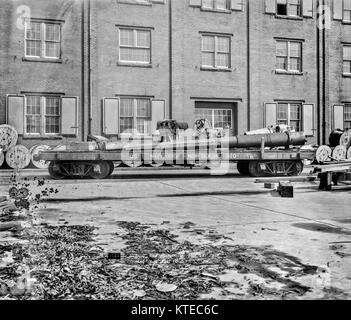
[270, 140]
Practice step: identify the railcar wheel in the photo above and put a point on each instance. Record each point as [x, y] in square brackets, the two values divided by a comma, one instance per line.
[112, 167]
[55, 171]
[275, 168]
[100, 170]
[243, 168]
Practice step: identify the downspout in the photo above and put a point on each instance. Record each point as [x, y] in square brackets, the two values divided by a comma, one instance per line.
[324, 125]
[89, 69]
[248, 67]
[318, 78]
[170, 59]
[83, 72]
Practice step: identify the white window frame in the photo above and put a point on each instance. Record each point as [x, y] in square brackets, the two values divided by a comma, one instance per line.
[213, 116]
[344, 11]
[214, 6]
[216, 52]
[289, 113]
[347, 105]
[288, 3]
[42, 40]
[42, 115]
[288, 70]
[135, 30]
[135, 113]
[343, 60]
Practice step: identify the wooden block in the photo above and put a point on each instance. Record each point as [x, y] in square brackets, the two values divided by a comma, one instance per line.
[270, 185]
[286, 190]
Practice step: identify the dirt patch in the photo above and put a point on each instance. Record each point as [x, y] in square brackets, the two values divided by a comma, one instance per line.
[321, 228]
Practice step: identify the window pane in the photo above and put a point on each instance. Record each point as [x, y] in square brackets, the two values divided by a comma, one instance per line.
[295, 49]
[143, 108]
[223, 44]
[33, 105]
[208, 59]
[33, 48]
[126, 37]
[143, 126]
[127, 107]
[126, 124]
[33, 124]
[223, 119]
[208, 4]
[294, 8]
[347, 15]
[33, 30]
[282, 63]
[52, 106]
[295, 111]
[223, 60]
[282, 48]
[135, 54]
[347, 53]
[282, 113]
[221, 4]
[208, 43]
[347, 111]
[143, 39]
[52, 32]
[347, 4]
[52, 49]
[295, 64]
[52, 124]
[204, 114]
[347, 66]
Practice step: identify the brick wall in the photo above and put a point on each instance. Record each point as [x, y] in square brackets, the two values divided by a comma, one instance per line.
[18, 75]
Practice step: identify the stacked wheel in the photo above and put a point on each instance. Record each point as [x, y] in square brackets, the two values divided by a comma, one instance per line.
[8, 137]
[18, 157]
[40, 164]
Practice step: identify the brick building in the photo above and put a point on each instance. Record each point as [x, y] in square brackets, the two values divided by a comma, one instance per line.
[74, 67]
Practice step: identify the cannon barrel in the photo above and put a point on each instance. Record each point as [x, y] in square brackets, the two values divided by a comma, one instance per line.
[270, 140]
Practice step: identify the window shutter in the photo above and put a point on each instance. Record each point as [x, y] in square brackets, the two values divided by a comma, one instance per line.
[338, 116]
[307, 7]
[110, 116]
[337, 9]
[237, 5]
[158, 113]
[271, 114]
[308, 119]
[195, 3]
[69, 115]
[270, 6]
[15, 112]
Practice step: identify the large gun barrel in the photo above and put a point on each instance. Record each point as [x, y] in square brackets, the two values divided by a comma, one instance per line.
[271, 140]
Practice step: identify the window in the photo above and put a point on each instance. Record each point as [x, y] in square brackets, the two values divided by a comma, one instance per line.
[43, 115]
[291, 8]
[42, 40]
[135, 114]
[347, 60]
[218, 118]
[134, 46]
[290, 114]
[347, 11]
[289, 56]
[215, 52]
[347, 116]
[215, 5]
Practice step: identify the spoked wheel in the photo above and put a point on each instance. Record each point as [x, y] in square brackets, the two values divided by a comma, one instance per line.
[100, 170]
[112, 167]
[243, 168]
[55, 171]
[275, 168]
